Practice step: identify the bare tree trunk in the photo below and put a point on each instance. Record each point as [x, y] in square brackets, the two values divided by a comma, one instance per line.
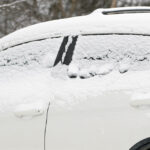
[5, 21]
[60, 5]
[73, 7]
[114, 3]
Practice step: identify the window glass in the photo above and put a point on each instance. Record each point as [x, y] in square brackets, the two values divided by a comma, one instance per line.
[101, 49]
[37, 52]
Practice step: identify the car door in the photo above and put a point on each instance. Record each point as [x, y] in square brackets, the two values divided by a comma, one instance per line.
[23, 129]
[105, 122]
[87, 114]
[24, 93]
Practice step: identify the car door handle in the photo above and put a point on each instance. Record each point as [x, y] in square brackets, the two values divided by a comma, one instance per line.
[29, 110]
[140, 101]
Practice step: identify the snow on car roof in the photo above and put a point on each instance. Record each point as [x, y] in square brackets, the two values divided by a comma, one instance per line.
[95, 23]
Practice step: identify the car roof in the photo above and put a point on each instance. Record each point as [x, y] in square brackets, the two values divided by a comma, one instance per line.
[128, 20]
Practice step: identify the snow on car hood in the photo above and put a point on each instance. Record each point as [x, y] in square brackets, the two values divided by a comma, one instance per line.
[30, 86]
[95, 23]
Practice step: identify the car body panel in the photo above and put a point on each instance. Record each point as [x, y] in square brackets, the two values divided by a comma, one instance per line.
[107, 122]
[92, 114]
[21, 134]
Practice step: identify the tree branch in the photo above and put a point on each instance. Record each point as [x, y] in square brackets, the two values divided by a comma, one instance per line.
[11, 4]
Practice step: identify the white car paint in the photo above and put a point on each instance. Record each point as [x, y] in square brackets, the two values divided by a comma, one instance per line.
[105, 122]
[98, 113]
[19, 133]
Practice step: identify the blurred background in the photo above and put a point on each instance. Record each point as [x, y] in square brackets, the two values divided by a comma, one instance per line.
[15, 14]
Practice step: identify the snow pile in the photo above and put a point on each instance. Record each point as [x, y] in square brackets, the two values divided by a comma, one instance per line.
[77, 70]
[29, 111]
[48, 60]
[93, 70]
[25, 86]
[73, 71]
[84, 74]
[105, 69]
[123, 67]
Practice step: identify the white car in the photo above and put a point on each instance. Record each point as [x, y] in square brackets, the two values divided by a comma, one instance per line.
[81, 83]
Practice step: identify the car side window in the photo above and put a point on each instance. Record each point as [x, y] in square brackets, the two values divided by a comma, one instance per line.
[101, 49]
[41, 52]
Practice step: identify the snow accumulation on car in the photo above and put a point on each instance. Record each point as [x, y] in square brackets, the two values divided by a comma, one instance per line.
[77, 83]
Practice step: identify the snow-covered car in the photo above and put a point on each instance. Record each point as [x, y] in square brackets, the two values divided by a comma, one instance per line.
[81, 83]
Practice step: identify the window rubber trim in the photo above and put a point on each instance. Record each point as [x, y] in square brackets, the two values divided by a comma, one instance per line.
[84, 34]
